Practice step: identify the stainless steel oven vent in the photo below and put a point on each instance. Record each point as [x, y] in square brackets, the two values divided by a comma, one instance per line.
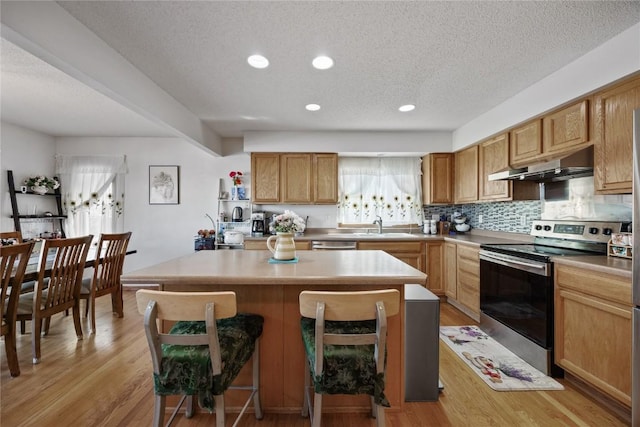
[575, 165]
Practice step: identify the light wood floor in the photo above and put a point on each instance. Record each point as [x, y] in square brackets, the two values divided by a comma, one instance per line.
[105, 380]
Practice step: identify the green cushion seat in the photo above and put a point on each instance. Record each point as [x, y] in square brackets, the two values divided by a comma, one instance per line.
[187, 369]
[346, 369]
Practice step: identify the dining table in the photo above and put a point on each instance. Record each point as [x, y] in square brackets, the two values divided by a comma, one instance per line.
[271, 288]
[34, 263]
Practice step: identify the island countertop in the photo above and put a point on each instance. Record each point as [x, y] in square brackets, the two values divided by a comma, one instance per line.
[239, 267]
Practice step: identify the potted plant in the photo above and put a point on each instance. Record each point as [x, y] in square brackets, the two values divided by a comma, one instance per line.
[285, 225]
[41, 184]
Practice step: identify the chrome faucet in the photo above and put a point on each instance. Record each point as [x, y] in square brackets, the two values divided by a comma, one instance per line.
[379, 222]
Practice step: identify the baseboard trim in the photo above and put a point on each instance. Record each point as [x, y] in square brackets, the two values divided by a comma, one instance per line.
[618, 409]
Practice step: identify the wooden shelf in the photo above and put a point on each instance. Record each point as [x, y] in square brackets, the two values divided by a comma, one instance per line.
[15, 214]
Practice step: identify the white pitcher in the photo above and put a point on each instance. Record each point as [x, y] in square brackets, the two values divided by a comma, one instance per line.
[285, 247]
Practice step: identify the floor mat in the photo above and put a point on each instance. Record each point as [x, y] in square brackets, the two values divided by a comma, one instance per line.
[499, 368]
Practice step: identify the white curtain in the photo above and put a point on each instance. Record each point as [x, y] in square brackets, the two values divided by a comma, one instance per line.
[389, 187]
[92, 190]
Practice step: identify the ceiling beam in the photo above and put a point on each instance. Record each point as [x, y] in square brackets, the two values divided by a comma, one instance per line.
[48, 32]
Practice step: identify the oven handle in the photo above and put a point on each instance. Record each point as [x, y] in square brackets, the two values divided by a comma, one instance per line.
[528, 266]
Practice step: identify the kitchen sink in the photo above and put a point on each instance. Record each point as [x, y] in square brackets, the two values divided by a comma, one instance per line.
[376, 235]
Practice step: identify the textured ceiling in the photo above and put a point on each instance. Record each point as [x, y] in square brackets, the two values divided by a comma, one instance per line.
[454, 60]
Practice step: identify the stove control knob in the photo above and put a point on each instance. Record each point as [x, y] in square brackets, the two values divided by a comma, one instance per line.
[538, 227]
[593, 230]
[607, 231]
[547, 228]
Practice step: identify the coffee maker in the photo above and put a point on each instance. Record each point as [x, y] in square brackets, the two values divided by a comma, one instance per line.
[257, 224]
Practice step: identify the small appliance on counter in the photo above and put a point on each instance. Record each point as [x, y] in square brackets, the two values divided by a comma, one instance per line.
[236, 214]
[257, 224]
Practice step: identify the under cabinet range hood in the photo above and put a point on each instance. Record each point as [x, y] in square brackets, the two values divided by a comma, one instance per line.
[575, 165]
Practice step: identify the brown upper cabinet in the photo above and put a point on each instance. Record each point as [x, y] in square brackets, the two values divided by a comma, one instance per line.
[566, 129]
[466, 173]
[294, 178]
[526, 144]
[437, 178]
[613, 135]
[558, 132]
[325, 181]
[265, 178]
[493, 156]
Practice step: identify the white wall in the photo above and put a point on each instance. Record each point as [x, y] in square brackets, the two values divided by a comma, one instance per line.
[27, 153]
[162, 232]
[611, 61]
[349, 143]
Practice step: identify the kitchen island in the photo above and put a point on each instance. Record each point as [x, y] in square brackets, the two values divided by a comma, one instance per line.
[272, 290]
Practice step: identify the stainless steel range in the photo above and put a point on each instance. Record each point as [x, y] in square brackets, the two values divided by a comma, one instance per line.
[516, 285]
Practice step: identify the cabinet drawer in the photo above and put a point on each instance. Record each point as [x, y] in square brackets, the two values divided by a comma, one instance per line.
[469, 253]
[605, 286]
[391, 246]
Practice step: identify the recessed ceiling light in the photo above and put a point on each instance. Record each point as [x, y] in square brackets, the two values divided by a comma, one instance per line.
[258, 61]
[312, 107]
[408, 107]
[322, 62]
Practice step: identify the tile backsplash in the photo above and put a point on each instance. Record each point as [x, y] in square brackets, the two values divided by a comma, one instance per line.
[513, 217]
[572, 199]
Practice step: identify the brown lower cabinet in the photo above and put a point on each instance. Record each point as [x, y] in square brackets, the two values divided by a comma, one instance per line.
[593, 329]
[450, 270]
[409, 252]
[462, 278]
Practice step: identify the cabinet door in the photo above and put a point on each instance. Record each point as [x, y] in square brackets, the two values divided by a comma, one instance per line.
[265, 177]
[593, 329]
[450, 270]
[613, 134]
[567, 129]
[525, 144]
[493, 157]
[466, 175]
[435, 266]
[469, 278]
[437, 178]
[325, 178]
[296, 178]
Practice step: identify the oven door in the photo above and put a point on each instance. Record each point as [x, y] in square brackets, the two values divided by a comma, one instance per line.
[518, 293]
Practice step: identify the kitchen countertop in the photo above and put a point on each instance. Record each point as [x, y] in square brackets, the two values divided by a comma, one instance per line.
[612, 265]
[474, 238]
[251, 268]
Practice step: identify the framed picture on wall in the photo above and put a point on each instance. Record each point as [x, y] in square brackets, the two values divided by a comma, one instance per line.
[164, 188]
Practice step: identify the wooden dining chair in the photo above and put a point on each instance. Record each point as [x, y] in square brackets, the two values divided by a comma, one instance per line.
[14, 235]
[203, 352]
[57, 293]
[13, 262]
[110, 254]
[344, 336]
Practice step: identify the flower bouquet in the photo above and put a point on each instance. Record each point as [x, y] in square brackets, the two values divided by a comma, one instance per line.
[288, 222]
[41, 184]
[237, 191]
[236, 177]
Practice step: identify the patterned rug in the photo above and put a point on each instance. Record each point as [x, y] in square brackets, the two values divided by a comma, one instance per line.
[494, 363]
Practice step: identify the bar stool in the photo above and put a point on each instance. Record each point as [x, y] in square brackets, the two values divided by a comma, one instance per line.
[203, 352]
[344, 336]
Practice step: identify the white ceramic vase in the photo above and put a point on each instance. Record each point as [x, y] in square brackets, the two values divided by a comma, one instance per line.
[285, 246]
[38, 189]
